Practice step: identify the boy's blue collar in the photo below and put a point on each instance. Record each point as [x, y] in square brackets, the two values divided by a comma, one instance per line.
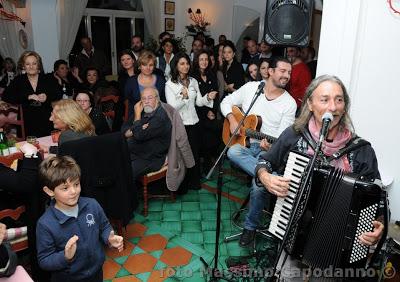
[62, 217]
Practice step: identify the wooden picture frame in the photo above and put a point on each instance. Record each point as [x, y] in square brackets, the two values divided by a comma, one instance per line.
[169, 8]
[169, 24]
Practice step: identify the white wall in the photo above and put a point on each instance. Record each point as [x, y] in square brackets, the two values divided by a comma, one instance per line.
[359, 42]
[258, 7]
[45, 31]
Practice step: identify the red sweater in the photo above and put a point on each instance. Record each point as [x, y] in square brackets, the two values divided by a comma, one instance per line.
[299, 81]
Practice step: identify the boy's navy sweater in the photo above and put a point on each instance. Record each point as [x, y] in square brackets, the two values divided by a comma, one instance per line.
[53, 231]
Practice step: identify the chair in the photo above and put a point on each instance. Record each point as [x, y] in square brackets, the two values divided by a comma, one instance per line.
[147, 179]
[19, 121]
[18, 243]
[108, 105]
[126, 110]
[19, 239]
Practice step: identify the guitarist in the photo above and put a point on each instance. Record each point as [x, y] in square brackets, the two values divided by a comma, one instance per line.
[276, 107]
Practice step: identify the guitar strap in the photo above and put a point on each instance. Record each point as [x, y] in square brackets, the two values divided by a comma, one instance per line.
[354, 143]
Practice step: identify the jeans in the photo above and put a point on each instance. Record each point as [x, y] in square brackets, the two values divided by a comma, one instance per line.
[245, 158]
[259, 198]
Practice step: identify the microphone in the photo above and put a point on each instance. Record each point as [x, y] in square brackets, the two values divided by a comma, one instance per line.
[260, 88]
[326, 121]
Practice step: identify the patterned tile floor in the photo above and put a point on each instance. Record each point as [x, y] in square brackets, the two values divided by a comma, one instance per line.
[168, 243]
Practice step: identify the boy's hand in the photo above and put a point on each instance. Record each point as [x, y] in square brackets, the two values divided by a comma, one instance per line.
[116, 241]
[70, 248]
[3, 231]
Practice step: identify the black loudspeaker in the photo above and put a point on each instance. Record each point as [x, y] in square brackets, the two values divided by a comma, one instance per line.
[288, 22]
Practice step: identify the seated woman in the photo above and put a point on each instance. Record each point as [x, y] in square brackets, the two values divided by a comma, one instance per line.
[7, 73]
[67, 81]
[73, 122]
[92, 80]
[251, 72]
[85, 99]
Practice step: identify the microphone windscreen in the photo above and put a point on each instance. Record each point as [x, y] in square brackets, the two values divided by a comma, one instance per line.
[327, 116]
[261, 85]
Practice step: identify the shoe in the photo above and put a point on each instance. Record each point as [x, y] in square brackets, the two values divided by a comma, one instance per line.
[247, 237]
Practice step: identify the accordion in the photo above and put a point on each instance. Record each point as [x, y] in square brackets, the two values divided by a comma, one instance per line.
[333, 211]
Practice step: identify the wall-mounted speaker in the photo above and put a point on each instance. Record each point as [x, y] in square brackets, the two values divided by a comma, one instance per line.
[288, 22]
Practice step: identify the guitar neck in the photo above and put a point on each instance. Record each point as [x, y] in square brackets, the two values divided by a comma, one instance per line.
[259, 136]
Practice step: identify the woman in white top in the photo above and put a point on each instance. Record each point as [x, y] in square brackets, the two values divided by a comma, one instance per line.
[182, 92]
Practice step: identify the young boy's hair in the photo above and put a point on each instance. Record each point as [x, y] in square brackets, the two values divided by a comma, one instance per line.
[57, 170]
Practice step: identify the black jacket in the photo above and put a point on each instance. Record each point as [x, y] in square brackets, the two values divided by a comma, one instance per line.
[106, 172]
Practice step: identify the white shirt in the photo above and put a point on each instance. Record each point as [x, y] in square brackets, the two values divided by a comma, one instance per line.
[186, 107]
[276, 115]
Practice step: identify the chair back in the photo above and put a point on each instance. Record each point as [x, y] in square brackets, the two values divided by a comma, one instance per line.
[18, 121]
[9, 160]
[108, 105]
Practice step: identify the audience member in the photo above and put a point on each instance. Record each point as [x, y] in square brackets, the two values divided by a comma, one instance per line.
[263, 67]
[35, 92]
[146, 78]
[137, 46]
[127, 61]
[183, 93]
[91, 57]
[93, 81]
[166, 57]
[245, 56]
[308, 56]
[149, 134]
[72, 233]
[221, 39]
[73, 122]
[232, 69]
[265, 50]
[253, 55]
[197, 46]
[85, 99]
[68, 82]
[251, 72]
[7, 73]
[210, 126]
[300, 77]
[276, 109]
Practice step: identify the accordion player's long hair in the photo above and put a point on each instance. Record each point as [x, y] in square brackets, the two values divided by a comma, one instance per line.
[305, 114]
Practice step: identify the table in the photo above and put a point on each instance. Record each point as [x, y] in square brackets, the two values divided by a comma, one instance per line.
[46, 141]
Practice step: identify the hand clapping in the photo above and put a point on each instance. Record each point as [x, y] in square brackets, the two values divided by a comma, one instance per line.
[116, 241]
[70, 248]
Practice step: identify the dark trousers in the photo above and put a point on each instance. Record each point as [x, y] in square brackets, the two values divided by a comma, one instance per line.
[192, 177]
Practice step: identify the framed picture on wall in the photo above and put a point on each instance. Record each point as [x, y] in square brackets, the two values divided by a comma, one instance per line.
[169, 8]
[169, 24]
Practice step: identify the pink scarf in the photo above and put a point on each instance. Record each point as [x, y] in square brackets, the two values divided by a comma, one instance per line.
[329, 148]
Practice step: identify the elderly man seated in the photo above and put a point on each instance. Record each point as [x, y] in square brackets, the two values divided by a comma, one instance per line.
[148, 133]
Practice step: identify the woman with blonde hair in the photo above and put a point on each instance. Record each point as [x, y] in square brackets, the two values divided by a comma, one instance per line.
[146, 77]
[73, 122]
[35, 92]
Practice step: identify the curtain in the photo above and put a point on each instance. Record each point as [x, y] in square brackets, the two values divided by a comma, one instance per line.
[151, 11]
[9, 35]
[70, 16]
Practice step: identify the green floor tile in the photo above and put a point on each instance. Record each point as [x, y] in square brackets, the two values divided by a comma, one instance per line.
[122, 272]
[143, 276]
[134, 240]
[193, 237]
[121, 260]
[171, 216]
[172, 226]
[208, 206]
[154, 216]
[137, 250]
[177, 206]
[208, 225]
[155, 205]
[190, 197]
[191, 226]
[208, 214]
[190, 206]
[190, 215]
[157, 254]
[160, 265]
[209, 236]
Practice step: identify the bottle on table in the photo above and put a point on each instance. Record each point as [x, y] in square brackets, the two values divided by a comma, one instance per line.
[3, 143]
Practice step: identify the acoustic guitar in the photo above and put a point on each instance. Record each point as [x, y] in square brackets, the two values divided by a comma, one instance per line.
[250, 129]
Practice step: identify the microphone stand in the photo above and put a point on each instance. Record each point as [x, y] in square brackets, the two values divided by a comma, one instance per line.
[216, 274]
[302, 189]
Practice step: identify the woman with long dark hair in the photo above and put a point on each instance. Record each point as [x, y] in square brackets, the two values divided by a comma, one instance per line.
[231, 68]
[210, 125]
[183, 93]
